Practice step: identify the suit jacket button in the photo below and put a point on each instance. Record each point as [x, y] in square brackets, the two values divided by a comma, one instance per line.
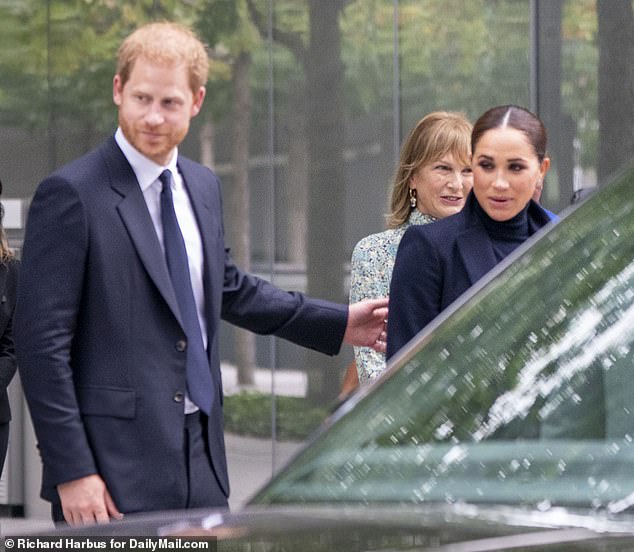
[179, 396]
[181, 345]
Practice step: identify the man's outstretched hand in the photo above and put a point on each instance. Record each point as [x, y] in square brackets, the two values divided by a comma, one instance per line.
[367, 324]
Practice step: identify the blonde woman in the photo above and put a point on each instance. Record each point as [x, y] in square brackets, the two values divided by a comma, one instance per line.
[432, 181]
[8, 283]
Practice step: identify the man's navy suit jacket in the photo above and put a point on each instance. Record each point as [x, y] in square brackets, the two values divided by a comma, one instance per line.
[98, 330]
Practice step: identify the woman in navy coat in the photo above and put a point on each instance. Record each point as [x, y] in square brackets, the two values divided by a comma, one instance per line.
[437, 262]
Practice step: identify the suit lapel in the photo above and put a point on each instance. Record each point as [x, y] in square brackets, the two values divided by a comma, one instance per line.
[476, 251]
[206, 215]
[207, 225]
[136, 218]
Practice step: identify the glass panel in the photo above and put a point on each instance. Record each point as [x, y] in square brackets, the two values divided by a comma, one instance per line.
[584, 90]
[520, 395]
[464, 56]
[322, 123]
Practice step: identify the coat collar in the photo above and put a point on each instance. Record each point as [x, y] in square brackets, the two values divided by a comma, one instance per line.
[476, 250]
[474, 243]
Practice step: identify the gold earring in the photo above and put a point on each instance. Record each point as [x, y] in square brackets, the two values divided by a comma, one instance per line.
[412, 197]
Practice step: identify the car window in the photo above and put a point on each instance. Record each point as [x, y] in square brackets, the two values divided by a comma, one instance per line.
[522, 395]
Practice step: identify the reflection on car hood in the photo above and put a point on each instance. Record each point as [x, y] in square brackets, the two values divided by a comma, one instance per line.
[348, 528]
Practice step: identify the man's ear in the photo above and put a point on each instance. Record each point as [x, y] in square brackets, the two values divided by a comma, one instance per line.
[199, 97]
[117, 89]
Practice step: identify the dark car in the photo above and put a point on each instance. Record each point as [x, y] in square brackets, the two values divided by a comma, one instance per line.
[507, 423]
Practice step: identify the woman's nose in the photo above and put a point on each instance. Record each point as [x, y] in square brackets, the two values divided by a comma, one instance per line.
[500, 180]
[466, 179]
[455, 181]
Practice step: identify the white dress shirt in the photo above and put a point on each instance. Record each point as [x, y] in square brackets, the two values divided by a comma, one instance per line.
[147, 173]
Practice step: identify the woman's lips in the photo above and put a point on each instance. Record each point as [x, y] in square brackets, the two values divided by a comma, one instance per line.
[452, 200]
[499, 200]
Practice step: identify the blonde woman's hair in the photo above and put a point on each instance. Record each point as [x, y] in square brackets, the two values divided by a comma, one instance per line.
[168, 43]
[5, 252]
[435, 135]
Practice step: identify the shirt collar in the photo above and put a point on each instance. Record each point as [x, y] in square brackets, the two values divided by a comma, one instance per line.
[416, 217]
[146, 170]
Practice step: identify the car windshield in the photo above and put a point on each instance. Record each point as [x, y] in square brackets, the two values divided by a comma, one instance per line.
[523, 394]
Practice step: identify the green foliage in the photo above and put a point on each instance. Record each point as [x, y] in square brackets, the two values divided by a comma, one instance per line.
[225, 26]
[60, 57]
[57, 58]
[217, 19]
[579, 86]
[367, 35]
[249, 413]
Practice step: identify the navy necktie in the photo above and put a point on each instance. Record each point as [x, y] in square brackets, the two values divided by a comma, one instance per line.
[199, 384]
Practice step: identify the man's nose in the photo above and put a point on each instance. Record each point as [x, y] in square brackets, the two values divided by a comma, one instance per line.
[154, 115]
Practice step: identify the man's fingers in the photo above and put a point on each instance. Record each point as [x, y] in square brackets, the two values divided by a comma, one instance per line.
[86, 501]
[381, 313]
[379, 346]
[380, 302]
[88, 517]
[101, 516]
[75, 518]
[68, 516]
[112, 509]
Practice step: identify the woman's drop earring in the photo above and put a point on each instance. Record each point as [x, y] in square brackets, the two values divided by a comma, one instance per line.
[412, 197]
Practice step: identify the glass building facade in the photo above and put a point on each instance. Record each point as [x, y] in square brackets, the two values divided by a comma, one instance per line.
[307, 104]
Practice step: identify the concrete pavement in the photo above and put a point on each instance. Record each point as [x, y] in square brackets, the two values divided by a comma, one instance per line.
[250, 466]
[251, 461]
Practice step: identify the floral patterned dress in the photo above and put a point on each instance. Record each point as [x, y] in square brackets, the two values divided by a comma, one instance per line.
[370, 275]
